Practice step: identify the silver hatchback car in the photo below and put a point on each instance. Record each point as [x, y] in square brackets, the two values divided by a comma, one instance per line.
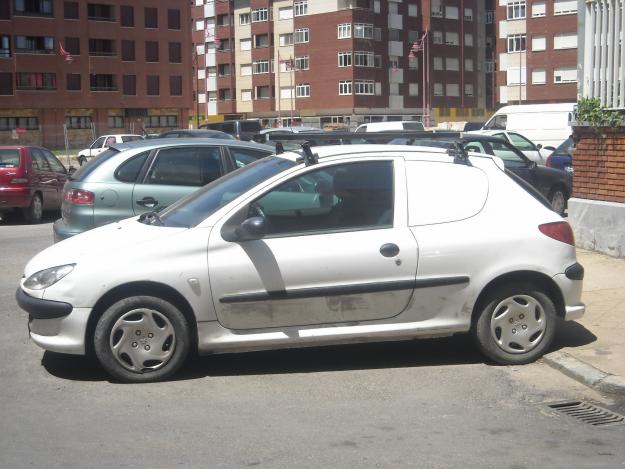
[133, 178]
[349, 244]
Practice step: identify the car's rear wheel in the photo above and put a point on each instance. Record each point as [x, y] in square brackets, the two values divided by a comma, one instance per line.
[557, 199]
[516, 324]
[142, 339]
[34, 212]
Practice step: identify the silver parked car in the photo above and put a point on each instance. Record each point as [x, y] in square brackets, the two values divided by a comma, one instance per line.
[349, 244]
[132, 178]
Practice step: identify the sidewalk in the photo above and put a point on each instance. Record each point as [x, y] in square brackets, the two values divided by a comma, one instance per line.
[598, 338]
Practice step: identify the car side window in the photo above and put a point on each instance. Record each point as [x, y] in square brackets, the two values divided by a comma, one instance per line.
[508, 155]
[54, 163]
[477, 147]
[109, 141]
[186, 166]
[39, 161]
[129, 170]
[521, 142]
[336, 198]
[98, 143]
[245, 156]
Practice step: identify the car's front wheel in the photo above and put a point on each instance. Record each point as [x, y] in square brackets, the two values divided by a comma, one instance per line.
[515, 325]
[142, 339]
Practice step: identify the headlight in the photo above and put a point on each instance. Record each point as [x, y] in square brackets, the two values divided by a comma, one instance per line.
[45, 278]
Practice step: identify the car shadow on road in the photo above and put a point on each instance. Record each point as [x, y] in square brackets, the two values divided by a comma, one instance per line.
[17, 219]
[572, 334]
[457, 350]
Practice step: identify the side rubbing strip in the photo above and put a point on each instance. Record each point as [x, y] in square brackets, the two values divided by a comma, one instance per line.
[343, 290]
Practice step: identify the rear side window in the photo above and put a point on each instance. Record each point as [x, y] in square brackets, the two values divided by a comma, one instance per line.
[245, 156]
[186, 166]
[130, 138]
[444, 192]
[9, 158]
[129, 170]
[227, 127]
[85, 170]
[252, 126]
[413, 126]
[39, 161]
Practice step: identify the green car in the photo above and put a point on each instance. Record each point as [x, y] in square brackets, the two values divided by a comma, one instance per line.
[129, 179]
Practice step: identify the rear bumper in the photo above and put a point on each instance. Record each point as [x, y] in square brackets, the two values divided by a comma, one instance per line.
[62, 231]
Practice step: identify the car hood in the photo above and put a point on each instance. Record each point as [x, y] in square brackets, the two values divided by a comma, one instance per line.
[108, 243]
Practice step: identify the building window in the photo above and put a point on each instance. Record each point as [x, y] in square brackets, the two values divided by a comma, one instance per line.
[129, 85]
[78, 122]
[452, 38]
[151, 51]
[101, 47]
[34, 44]
[300, 7]
[302, 63]
[153, 85]
[225, 94]
[127, 16]
[246, 69]
[468, 14]
[565, 7]
[413, 89]
[260, 14]
[539, 43]
[260, 66]
[246, 95]
[115, 122]
[261, 40]
[302, 90]
[438, 63]
[516, 75]
[70, 10]
[153, 122]
[468, 89]
[151, 17]
[468, 65]
[438, 89]
[516, 43]
[6, 84]
[175, 85]
[363, 30]
[539, 9]
[175, 53]
[363, 59]
[451, 12]
[564, 75]
[244, 18]
[345, 59]
[286, 39]
[452, 64]
[100, 12]
[11, 123]
[302, 35]
[344, 30]
[223, 20]
[437, 37]
[102, 82]
[33, 7]
[364, 87]
[394, 35]
[5, 46]
[223, 70]
[285, 13]
[345, 87]
[489, 66]
[263, 92]
[128, 50]
[72, 82]
[173, 19]
[516, 10]
[539, 76]
[565, 41]
[490, 16]
[35, 81]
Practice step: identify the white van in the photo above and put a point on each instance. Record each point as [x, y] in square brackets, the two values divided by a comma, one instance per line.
[545, 124]
[390, 126]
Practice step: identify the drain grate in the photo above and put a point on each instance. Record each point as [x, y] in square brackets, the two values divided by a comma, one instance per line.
[588, 413]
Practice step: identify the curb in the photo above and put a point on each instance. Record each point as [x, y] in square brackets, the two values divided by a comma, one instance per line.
[585, 373]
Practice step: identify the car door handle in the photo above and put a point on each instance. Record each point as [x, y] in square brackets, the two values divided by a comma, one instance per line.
[389, 250]
[149, 202]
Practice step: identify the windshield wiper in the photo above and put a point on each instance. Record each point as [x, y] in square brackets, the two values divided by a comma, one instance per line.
[150, 218]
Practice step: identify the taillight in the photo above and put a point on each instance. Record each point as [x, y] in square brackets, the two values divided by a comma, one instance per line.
[79, 197]
[560, 231]
[19, 181]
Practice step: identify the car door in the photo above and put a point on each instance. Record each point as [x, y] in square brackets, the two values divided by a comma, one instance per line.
[175, 172]
[337, 249]
[44, 179]
[60, 173]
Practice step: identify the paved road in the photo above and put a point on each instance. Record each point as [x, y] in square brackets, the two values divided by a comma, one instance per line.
[414, 404]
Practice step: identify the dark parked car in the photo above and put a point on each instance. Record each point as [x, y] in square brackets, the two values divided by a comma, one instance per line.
[554, 184]
[31, 180]
[241, 129]
[562, 157]
[133, 178]
[195, 133]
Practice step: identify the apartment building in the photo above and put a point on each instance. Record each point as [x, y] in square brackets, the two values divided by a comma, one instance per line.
[537, 51]
[340, 62]
[85, 68]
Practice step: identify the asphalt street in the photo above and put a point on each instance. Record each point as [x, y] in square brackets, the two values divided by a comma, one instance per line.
[430, 403]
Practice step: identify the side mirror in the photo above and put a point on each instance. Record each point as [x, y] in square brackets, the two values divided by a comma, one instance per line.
[538, 146]
[251, 229]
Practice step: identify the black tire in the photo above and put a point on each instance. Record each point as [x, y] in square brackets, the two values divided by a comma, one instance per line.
[34, 212]
[509, 352]
[118, 365]
[557, 199]
[82, 160]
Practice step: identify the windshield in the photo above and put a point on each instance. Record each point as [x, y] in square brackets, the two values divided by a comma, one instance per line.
[194, 208]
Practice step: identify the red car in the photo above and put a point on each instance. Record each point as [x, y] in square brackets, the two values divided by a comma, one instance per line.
[31, 179]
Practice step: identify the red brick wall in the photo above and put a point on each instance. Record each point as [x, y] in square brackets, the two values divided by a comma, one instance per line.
[599, 164]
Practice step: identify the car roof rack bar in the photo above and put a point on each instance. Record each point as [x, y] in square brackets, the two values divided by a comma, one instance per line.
[345, 137]
[308, 157]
